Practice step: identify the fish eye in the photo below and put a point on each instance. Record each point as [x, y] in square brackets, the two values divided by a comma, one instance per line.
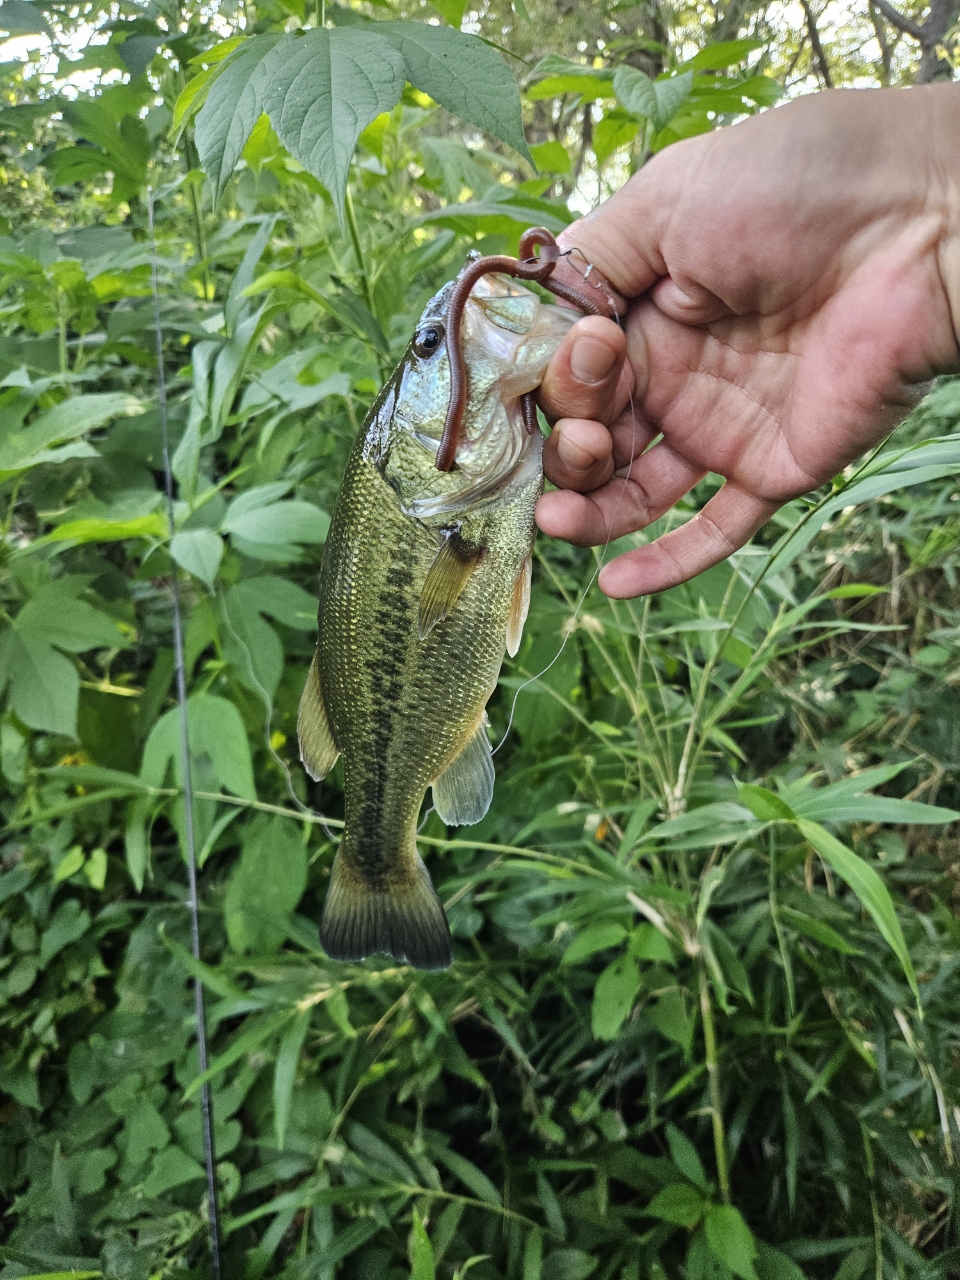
[428, 339]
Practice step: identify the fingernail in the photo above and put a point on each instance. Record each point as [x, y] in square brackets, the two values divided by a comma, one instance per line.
[591, 359]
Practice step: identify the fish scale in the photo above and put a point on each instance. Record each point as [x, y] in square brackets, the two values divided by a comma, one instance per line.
[400, 698]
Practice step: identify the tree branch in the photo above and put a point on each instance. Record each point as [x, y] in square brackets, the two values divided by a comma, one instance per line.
[900, 20]
[817, 46]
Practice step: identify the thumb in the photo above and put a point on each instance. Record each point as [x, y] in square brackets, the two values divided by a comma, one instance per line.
[621, 237]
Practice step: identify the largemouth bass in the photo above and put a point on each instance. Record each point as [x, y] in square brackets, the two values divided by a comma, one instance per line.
[425, 583]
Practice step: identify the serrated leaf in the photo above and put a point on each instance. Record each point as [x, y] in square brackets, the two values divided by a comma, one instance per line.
[464, 75]
[233, 105]
[322, 91]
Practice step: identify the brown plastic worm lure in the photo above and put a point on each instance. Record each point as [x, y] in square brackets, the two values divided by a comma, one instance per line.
[539, 268]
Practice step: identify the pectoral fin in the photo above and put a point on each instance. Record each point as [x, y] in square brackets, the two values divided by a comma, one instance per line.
[519, 607]
[462, 793]
[318, 751]
[449, 574]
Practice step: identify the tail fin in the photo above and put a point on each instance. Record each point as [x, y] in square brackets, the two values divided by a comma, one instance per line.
[406, 921]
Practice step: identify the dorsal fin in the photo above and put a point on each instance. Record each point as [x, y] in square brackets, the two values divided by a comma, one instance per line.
[318, 751]
[519, 607]
[449, 574]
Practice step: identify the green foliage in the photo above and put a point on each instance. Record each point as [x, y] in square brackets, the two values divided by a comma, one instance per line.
[702, 1021]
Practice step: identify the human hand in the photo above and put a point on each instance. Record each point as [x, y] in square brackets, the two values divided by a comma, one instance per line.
[795, 278]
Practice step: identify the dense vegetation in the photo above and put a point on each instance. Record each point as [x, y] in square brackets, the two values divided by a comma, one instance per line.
[703, 1019]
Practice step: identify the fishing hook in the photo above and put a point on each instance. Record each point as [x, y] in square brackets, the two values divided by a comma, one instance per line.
[528, 266]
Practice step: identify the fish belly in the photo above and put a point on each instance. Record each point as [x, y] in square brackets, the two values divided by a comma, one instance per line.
[402, 709]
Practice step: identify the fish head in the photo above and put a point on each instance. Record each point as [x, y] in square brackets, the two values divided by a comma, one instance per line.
[507, 336]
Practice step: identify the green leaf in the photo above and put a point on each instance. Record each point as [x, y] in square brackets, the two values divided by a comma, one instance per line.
[613, 997]
[421, 1251]
[764, 804]
[285, 1074]
[69, 923]
[669, 1016]
[324, 88]
[551, 157]
[20, 18]
[464, 75]
[655, 100]
[171, 1168]
[100, 530]
[648, 943]
[684, 1156]
[215, 730]
[66, 1275]
[42, 685]
[199, 551]
[451, 11]
[279, 523]
[533, 1255]
[65, 421]
[818, 930]
[868, 887]
[725, 54]
[731, 1240]
[233, 106]
[588, 86]
[596, 937]
[266, 886]
[679, 1203]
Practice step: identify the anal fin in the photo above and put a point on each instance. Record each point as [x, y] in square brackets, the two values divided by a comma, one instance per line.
[519, 607]
[448, 575]
[318, 751]
[463, 792]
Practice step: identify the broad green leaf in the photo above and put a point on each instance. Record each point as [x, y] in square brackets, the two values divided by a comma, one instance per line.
[868, 887]
[771, 1264]
[215, 730]
[684, 1156]
[171, 1168]
[69, 923]
[451, 11]
[669, 1015]
[421, 1251]
[596, 937]
[65, 421]
[679, 1203]
[725, 54]
[588, 86]
[233, 106]
[648, 943]
[279, 523]
[54, 616]
[19, 17]
[731, 1240]
[569, 1264]
[199, 551]
[655, 100]
[42, 685]
[266, 886]
[285, 1074]
[551, 157]
[323, 89]
[94, 530]
[464, 75]
[613, 997]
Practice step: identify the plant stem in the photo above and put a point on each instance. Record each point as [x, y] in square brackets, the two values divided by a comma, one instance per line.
[358, 251]
[710, 1046]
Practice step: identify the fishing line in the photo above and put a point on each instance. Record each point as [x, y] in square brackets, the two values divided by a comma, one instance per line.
[601, 560]
[206, 1104]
